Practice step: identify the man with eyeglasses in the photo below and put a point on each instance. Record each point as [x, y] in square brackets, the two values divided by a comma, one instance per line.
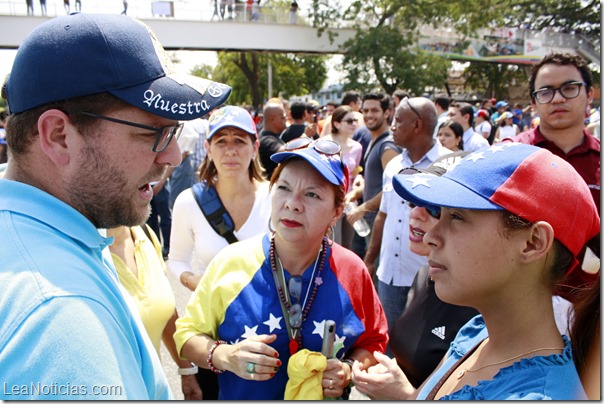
[94, 118]
[561, 92]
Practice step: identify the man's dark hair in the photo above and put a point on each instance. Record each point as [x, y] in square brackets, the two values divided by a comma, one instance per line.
[298, 109]
[349, 97]
[400, 94]
[465, 109]
[384, 99]
[333, 103]
[311, 108]
[561, 59]
[442, 101]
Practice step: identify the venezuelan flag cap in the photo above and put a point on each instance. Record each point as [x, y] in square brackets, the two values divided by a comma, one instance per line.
[525, 180]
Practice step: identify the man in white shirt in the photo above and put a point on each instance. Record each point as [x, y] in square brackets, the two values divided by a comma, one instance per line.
[412, 128]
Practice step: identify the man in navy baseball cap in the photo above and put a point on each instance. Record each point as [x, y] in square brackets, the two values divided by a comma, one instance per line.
[94, 113]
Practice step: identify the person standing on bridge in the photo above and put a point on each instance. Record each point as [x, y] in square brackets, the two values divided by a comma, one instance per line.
[30, 7]
[43, 7]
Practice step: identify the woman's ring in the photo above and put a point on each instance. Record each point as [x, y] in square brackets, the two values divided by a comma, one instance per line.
[330, 384]
[251, 368]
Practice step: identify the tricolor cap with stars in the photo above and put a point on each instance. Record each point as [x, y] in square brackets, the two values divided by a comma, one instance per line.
[329, 166]
[522, 179]
[231, 116]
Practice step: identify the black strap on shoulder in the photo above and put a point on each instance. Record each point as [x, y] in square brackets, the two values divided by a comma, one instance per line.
[146, 230]
[212, 208]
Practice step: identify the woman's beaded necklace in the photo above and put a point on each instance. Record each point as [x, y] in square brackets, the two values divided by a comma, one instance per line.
[295, 336]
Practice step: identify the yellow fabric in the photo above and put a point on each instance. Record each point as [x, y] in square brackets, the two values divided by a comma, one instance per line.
[151, 290]
[305, 372]
[228, 273]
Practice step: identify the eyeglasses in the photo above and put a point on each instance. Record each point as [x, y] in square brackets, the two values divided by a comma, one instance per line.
[165, 134]
[328, 147]
[350, 121]
[567, 90]
[411, 106]
[295, 292]
[433, 211]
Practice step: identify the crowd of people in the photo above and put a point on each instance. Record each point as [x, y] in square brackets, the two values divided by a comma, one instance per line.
[479, 277]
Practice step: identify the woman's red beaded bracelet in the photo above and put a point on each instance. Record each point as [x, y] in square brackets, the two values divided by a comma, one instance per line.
[210, 353]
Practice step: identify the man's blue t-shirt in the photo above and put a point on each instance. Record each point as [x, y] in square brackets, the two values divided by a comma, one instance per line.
[66, 329]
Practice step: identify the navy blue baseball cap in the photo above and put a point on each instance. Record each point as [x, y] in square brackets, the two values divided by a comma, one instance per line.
[86, 54]
[231, 116]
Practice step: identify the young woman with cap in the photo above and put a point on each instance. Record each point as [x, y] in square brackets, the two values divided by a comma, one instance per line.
[232, 168]
[266, 299]
[232, 171]
[507, 128]
[512, 220]
[421, 336]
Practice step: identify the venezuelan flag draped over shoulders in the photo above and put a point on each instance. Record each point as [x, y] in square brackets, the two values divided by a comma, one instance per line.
[237, 298]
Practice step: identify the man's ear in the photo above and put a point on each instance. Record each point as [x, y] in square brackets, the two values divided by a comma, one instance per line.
[53, 129]
[539, 242]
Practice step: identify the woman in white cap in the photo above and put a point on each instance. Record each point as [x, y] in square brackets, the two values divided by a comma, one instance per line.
[507, 127]
[230, 203]
[265, 300]
[512, 221]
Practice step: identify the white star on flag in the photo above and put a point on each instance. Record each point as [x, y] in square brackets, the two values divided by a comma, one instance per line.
[319, 327]
[495, 149]
[418, 180]
[273, 322]
[250, 332]
[475, 156]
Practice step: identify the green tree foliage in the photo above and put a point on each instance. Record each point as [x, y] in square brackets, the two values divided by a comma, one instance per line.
[247, 73]
[383, 52]
[568, 16]
[493, 79]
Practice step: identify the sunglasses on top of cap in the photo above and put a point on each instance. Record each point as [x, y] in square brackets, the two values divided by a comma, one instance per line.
[323, 146]
[163, 135]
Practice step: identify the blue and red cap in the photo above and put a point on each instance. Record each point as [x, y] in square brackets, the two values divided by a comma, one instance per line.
[85, 54]
[231, 116]
[525, 180]
[330, 166]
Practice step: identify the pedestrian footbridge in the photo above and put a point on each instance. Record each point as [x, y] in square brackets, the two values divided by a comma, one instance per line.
[200, 25]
